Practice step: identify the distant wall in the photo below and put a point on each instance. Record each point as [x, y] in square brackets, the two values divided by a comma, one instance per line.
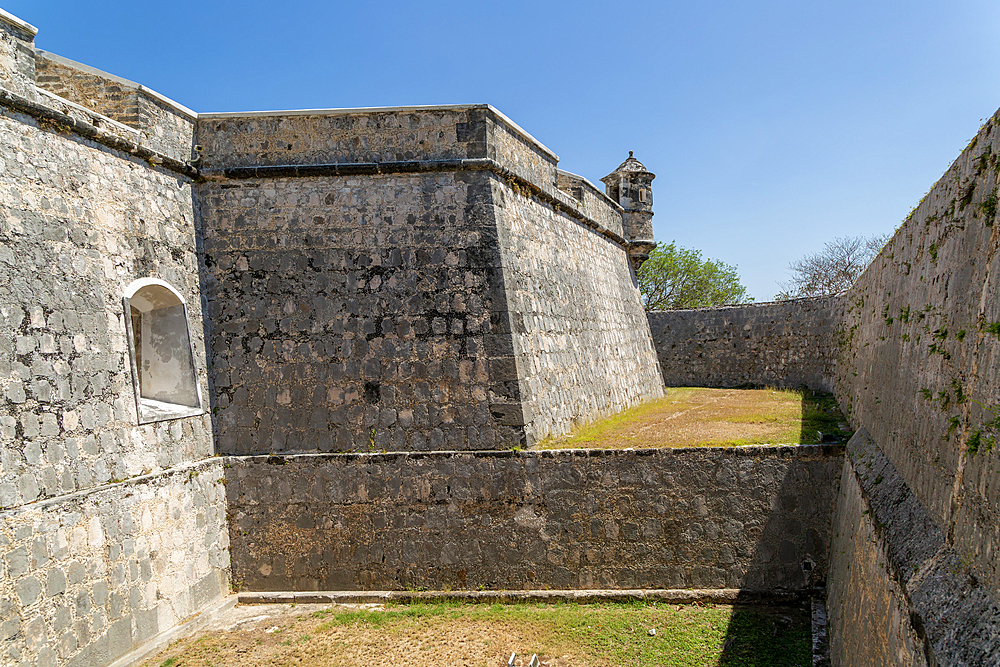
[920, 371]
[783, 344]
[751, 517]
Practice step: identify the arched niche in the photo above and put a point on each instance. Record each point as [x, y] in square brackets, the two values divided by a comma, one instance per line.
[163, 371]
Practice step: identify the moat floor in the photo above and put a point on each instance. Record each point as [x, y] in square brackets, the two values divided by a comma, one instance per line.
[699, 417]
[447, 633]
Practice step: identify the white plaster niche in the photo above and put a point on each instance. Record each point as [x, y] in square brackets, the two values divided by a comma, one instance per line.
[163, 372]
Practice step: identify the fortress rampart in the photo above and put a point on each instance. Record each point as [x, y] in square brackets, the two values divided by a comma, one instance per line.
[382, 307]
[787, 344]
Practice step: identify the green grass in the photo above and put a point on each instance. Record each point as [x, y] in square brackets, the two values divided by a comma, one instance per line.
[618, 633]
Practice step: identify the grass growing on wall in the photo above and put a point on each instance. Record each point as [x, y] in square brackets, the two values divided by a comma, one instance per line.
[450, 633]
[698, 417]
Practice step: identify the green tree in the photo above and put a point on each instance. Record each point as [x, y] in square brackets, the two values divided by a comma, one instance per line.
[676, 277]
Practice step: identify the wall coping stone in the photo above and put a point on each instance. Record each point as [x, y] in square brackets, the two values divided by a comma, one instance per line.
[20, 24]
[361, 111]
[676, 595]
[747, 451]
[125, 83]
[755, 304]
[88, 130]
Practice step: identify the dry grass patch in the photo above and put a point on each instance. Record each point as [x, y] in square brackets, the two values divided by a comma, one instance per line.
[452, 634]
[698, 417]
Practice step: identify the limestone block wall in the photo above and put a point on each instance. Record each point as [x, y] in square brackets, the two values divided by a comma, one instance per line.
[783, 344]
[920, 370]
[109, 533]
[360, 298]
[898, 593]
[358, 314]
[580, 335]
[89, 577]
[77, 225]
[756, 518]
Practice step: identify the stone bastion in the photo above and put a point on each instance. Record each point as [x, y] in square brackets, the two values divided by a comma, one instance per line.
[311, 350]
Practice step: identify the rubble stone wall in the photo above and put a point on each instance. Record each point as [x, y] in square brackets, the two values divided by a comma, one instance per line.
[388, 280]
[751, 517]
[86, 578]
[784, 344]
[920, 371]
[78, 223]
[110, 532]
[580, 335]
[358, 314]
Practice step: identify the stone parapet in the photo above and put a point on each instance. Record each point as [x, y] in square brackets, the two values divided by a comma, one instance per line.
[162, 124]
[17, 55]
[755, 518]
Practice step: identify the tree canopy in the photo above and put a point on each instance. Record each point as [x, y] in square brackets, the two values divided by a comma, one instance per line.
[675, 277]
[833, 269]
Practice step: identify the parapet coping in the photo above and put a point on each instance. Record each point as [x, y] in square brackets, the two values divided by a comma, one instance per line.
[597, 190]
[20, 24]
[89, 130]
[553, 196]
[685, 595]
[755, 304]
[163, 99]
[746, 451]
[371, 110]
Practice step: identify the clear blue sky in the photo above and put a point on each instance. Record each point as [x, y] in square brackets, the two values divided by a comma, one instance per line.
[772, 126]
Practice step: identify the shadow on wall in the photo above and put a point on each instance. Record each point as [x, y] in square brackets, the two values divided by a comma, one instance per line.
[790, 556]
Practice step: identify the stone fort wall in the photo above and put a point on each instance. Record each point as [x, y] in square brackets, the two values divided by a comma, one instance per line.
[753, 518]
[920, 371]
[912, 353]
[110, 532]
[786, 344]
[346, 291]
[392, 280]
[428, 313]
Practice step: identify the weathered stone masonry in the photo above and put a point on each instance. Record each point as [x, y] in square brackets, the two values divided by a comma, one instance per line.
[755, 518]
[913, 355]
[346, 271]
[427, 279]
[389, 279]
[92, 566]
[785, 344]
